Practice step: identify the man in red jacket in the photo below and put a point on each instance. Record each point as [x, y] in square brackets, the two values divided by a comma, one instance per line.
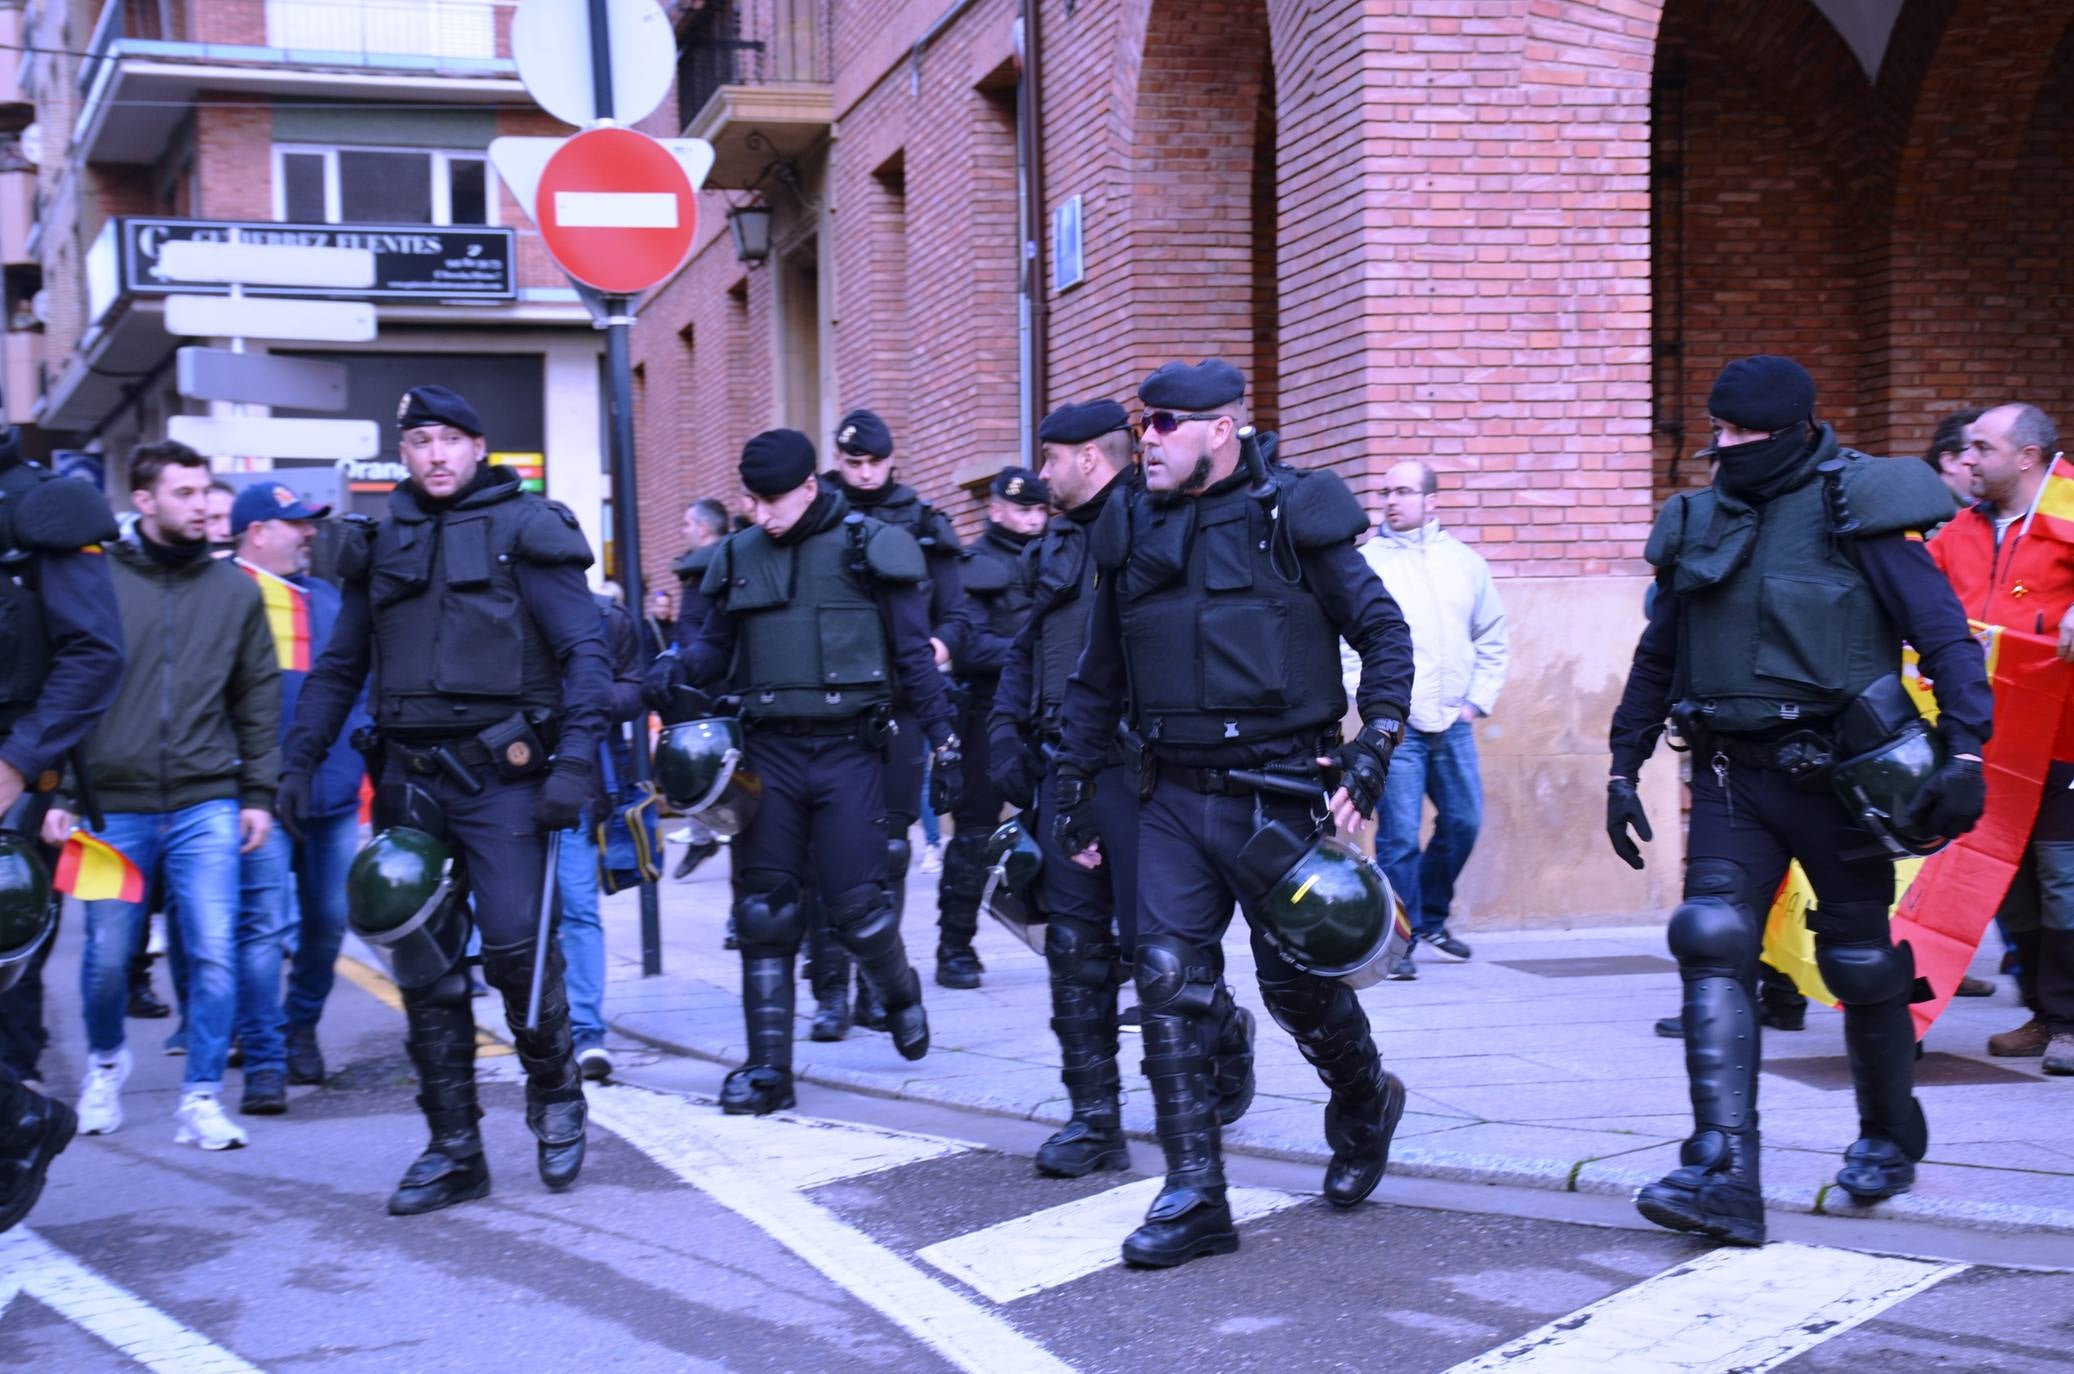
[2013, 569]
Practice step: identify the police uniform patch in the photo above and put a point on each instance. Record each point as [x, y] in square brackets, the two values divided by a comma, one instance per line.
[403, 406]
[849, 432]
[518, 753]
[1015, 487]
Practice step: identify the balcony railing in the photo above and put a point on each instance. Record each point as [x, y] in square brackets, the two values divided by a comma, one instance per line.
[752, 43]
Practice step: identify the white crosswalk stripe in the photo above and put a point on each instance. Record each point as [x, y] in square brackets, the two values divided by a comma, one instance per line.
[1058, 1245]
[30, 1264]
[1737, 1311]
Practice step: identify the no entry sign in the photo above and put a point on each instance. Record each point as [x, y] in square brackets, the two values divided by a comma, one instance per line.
[616, 210]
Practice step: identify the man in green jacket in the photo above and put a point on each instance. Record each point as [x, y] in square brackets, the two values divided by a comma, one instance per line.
[185, 765]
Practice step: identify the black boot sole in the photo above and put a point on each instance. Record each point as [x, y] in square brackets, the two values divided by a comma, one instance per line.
[763, 1106]
[561, 1183]
[1393, 1112]
[957, 979]
[1203, 1247]
[1116, 1160]
[306, 1078]
[402, 1207]
[828, 1033]
[57, 1134]
[1672, 1217]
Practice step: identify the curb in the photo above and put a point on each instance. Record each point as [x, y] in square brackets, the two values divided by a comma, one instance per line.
[1601, 1175]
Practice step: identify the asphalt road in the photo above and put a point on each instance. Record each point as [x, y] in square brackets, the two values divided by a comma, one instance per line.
[860, 1233]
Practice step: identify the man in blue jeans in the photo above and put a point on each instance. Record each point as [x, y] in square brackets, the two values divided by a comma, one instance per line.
[185, 763]
[275, 531]
[1459, 653]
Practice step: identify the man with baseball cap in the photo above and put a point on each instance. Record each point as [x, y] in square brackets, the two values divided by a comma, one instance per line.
[275, 530]
[1784, 592]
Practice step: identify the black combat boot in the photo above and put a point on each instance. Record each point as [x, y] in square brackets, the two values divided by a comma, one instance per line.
[1190, 1219]
[1715, 1191]
[1231, 1058]
[828, 972]
[1331, 1032]
[1083, 1002]
[34, 1130]
[1880, 1041]
[554, 1083]
[958, 894]
[764, 1084]
[440, 1037]
[864, 920]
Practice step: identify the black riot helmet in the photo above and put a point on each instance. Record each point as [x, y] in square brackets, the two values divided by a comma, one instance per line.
[1013, 860]
[1878, 786]
[698, 770]
[1323, 905]
[26, 916]
[401, 898]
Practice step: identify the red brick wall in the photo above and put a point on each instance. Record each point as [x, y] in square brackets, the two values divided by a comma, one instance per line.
[233, 158]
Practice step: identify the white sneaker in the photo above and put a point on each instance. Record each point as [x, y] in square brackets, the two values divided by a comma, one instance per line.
[932, 858]
[203, 1123]
[100, 1093]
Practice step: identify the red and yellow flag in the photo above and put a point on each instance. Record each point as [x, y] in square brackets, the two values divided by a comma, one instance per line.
[288, 615]
[2055, 510]
[96, 871]
[1947, 900]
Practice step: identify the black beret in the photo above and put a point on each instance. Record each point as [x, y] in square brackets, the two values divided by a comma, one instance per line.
[1206, 386]
[1019, 486]
[435, 405]
[1766, 392]
[863, 432]
[1082, 421]
[777, 461]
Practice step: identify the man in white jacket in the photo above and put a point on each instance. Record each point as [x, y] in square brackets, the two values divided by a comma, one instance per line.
[1458, 652]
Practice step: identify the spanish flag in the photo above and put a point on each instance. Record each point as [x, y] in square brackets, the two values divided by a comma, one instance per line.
[2055, 508]
[288, 614]
[1947, 900]
[95, 871]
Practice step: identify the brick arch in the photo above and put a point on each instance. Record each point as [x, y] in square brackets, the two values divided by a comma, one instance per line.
[1971, 268]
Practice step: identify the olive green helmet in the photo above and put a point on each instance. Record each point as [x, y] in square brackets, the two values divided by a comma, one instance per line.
[401, 898]
[1879, 785]
[1330, 911]
[25, 907]
[1013, 861]
[698, 770]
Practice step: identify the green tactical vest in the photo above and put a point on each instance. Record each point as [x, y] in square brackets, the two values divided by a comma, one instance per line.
[1793, 632]
[810, 643]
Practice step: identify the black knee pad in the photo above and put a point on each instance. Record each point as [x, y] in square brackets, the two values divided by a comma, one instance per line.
[1866, 974]
[898, 853]
[450, 990]
[772, 921]
[1710, 933]
[864, 913]
[1723, 878]
[964, 868]
[1080, 954]
[1175, 976]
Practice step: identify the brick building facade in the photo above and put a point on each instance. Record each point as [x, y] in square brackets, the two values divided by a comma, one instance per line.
[1515, 238]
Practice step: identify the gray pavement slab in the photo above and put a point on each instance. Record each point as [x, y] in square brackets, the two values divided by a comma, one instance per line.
[1535, 1063]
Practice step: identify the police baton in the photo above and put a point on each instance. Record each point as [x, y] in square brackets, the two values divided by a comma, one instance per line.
[545, 931]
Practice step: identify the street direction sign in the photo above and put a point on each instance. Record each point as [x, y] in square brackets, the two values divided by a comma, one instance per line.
[266, 264]
[551, 45]
[275, 438]
[217, 374]
[269, 317]
[616, 209]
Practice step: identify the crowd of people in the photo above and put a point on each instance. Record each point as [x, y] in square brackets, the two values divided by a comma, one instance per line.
[1175, 675]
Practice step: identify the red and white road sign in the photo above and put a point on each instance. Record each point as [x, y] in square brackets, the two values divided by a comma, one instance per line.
[616, 210]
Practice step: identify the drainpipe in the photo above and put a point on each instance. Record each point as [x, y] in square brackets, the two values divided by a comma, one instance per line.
[1029, 166]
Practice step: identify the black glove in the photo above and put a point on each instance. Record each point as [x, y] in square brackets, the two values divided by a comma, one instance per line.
[946, 777]
[1951, 802]
[1364, 761]
[562, 798]
[666, 672]
[1013, 767]
[1624, 809]
[292, 802]
[1073, 827]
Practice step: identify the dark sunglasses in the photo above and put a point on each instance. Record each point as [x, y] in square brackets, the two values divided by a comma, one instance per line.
[1166, 421]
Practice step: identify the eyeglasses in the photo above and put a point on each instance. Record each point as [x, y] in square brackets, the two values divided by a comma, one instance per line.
[1166, 421]
[1400, 493]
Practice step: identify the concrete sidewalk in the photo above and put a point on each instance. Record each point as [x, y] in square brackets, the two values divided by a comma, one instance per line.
[1535, 1064]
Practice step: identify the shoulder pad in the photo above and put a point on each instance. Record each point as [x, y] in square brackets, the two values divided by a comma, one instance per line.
[1667, 535]
[692, 566]
[985, 574]
[62, 515]
[892, 553]
[1887, 495]
[356, 547]
[1320, 510]
[1110, 539]
[713, 581]
[548, 534]
[937, 535]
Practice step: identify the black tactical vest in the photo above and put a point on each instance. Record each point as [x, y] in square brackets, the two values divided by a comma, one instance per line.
[1061, 590]
[809, 643]
[454, 647]
[692, 565]
[24, 644]
[1222, 648]
[993, 579]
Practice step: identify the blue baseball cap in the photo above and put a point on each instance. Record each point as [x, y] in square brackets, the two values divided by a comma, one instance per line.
[270, 501]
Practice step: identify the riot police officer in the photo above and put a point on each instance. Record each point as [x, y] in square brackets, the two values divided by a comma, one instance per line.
[1784, 592]
[468, 606]
[1221, 595]
[62, 641]
[994, 607]
[863, 474]
[818, 611]
[1090, 915]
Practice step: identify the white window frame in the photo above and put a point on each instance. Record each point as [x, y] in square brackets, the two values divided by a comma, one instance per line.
[440, 170]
